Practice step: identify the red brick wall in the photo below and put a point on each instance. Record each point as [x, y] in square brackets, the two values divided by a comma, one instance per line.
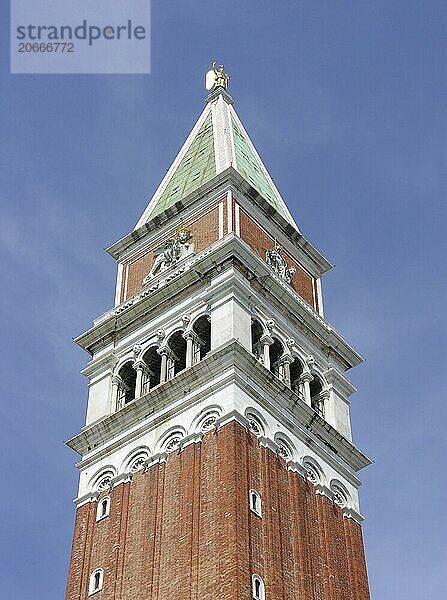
[205, 231]
[184, 530]
[260, 241]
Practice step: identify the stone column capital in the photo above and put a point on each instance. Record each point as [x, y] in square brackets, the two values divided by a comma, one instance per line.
[306, 377]
[165, 351]
[286, 359]
[116, 380]
[139, 365]
[189, 334]
[266, 339]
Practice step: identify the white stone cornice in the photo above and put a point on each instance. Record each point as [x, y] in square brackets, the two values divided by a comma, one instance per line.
[193, 271]
[121, 478]
[229, 179]
[334, 377]
[266, 442]
[233, 415]
[147, 412]
[320, 488]
[350, 513]
[86, 498]
[156, 459]
[101, 365]
[296, 467]
[324, 490]
[193, 438]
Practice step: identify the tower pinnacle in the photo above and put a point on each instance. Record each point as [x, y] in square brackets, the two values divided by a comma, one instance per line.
[216, 77]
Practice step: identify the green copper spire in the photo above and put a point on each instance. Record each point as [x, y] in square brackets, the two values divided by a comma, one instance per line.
[218, 141]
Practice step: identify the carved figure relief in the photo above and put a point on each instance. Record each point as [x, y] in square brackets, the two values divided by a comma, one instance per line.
[276, 261]
[173, 250]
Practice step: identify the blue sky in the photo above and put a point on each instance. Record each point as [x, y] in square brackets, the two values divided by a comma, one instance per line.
[346, 102]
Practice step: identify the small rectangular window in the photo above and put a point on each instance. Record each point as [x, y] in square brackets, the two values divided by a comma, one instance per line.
[255, 503]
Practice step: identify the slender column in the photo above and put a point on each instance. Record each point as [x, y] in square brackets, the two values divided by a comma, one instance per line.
[116, 382]
[164, 364]
[286, 359]
[117, 385]
[324, 398]
[266, 342]
[189, 337]
[139, 367]
[305, 379]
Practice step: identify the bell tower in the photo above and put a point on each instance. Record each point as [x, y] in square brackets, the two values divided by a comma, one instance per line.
[217, 461]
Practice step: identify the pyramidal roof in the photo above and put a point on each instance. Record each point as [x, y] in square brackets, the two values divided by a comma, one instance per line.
[217, 141]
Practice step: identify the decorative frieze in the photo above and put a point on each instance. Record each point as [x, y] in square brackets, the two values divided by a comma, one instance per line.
[171, 252]
[278, 264]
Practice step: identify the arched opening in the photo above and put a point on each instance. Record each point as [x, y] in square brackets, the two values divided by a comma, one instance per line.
[258, 590]
[127, 387]
[153, 363]
[177, 359]
[202, 344]
[254, 423]
[96, 581]
[296, 369]
[276, 351]
[316, 387]
[103, 509]
[255, 503]
[256, 334]
[284, 447]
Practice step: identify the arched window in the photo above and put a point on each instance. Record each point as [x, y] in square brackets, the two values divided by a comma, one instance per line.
[256, 334]
[177, 356]
[285, 448]
[103, 509]
[208, 421]
[257, 587]
[95, 581]
[276, 351]
[138, 462]
[316, 387]
[202, 343]
[153, 363]
[126, 391]
[104, 481]
[255, 502]
[296, 369]
[172, 442]
[254, 423]
[340, 494]
[313, 471]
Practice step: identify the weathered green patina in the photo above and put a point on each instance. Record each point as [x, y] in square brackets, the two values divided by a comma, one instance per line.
[249, 166]
[197, 166]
